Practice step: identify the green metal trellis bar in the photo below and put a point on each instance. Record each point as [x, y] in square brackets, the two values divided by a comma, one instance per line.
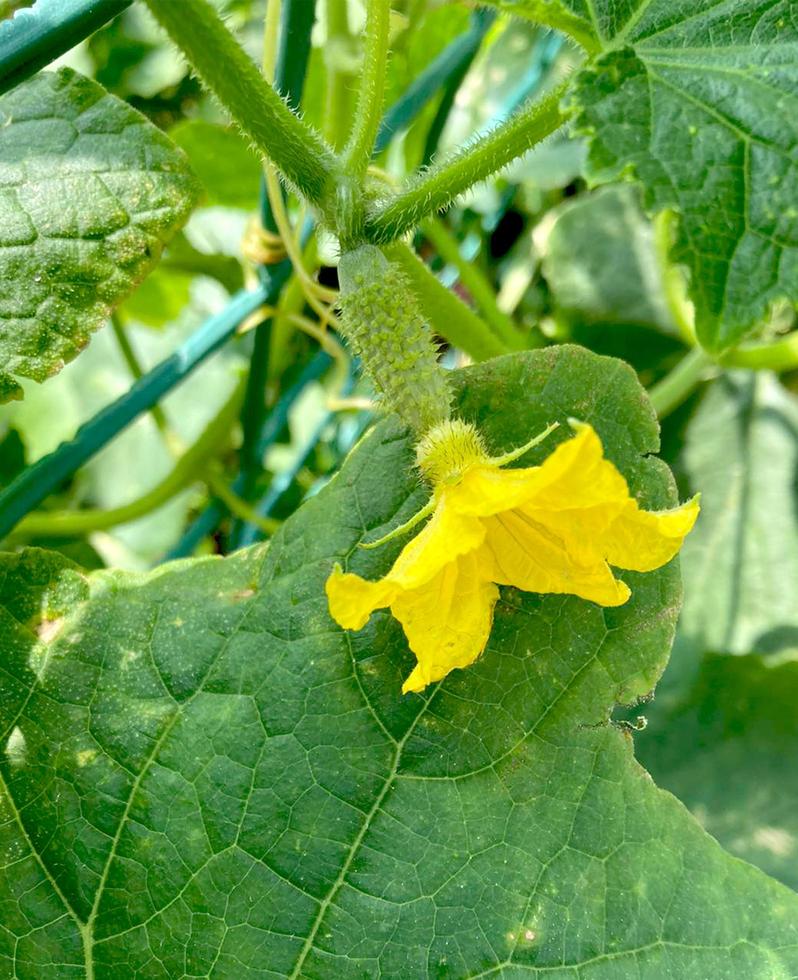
[447, 69]
[37, 35]
[37, 482]
[207, 522]
[289, 78]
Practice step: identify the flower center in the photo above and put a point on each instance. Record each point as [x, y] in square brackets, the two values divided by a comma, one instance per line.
[448, 450]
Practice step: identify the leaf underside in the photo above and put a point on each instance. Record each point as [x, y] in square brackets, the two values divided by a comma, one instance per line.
[202, 775]
[593, 237]
[697, 98]
[741, 564]
[89, 193]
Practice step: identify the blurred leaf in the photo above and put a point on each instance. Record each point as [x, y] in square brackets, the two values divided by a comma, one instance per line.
[599, 258]
[181, 256]
[551, 165]
[493, 81]
[723, 730]
[159, 299]
[89, 193]
[741, 561]
[166, 292]
[432, 30]
[726, 745]
[248, 794]
[228, 169]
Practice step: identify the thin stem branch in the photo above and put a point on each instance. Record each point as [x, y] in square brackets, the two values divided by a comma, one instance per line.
[302, 156]
[314, 293]
[357, 154]
[436, 188]
[337, 97]
[780, 355]
[271, 38]
[669, 393]
[71, 523]
[237, 506]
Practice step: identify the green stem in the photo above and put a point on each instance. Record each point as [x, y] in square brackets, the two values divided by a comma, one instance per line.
[72, 523]
[337, 100]
[472, 278]
[437, 187]
[781, 355]
[447, 313]
[368, 113]
[134, 366]
[675, 387]
[237, 506]
[295, 148]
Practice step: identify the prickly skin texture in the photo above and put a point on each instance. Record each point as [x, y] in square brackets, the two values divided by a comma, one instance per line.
[383, 324]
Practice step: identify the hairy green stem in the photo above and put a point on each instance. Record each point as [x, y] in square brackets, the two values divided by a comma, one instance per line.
[472, 278]
[371, 93]
[295, 148]
[187, 469]
[669, 393]
[436, 188]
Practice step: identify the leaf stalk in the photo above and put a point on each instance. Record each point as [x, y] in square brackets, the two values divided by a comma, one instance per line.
[302, 156]
[436, 188]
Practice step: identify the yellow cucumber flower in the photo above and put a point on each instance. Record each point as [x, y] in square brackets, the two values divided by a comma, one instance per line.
[554, 528]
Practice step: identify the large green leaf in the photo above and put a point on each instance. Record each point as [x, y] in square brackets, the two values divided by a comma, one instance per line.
[741, 563]
[89, 193]
[700, 99]
[203, 776]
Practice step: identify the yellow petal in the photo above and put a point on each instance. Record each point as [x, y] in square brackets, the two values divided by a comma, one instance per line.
[486, 490]
[574, 477]
[447, 535]
[577, 475]
[642, 540]
[518, 551]
[447, 622]
[352, 599]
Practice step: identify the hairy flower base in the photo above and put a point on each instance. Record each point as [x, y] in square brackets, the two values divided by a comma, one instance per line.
[551, 528]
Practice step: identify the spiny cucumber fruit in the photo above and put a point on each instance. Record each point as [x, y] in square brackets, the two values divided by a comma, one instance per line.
[384, 326]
